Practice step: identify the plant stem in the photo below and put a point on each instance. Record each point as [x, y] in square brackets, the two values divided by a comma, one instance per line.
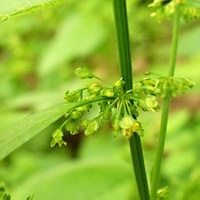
[176, 27]
[166, 103]
[121, 23]
[126, 72]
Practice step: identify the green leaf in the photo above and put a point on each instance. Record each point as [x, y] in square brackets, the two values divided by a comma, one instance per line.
[24, 130]
[11, 8]
[102, 179]
[28, 127]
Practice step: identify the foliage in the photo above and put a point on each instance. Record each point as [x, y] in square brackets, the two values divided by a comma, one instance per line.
[38, 54]
[25, 129]
[14, 8]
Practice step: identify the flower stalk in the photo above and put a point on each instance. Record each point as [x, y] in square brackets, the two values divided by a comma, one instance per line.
[126, 73]
[166, 104]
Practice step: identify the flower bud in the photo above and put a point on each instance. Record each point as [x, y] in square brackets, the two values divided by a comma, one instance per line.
[57, 138]
[107, 93]
[72, 127]
[163, 192]
[119, 84]
[137, 128]
[127, 122]
[189, 82]
[72, 96]
[127, 132]
[91, 96]
[152, 103]
[94, 88]
[75, 114]
[84, 123]
[115, 125]
[57, 133]
[83, 73]
[92, 127]
[84, 108]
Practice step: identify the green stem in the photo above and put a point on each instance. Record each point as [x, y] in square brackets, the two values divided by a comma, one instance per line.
[96, 77]
[165, 111]
[176, 27]
[126, 72]
[123, 42]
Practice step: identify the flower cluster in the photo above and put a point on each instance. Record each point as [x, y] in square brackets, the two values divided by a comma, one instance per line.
[164, 9]
[115, 104]
[162, 86]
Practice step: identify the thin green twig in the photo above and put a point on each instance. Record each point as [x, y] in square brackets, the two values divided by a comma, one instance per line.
[165, 111]
[126, 72]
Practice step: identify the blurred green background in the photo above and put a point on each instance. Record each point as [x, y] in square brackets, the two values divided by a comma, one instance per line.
[38, 55]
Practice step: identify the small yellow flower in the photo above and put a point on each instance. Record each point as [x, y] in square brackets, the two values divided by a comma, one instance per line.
[127, 132]
[136, 126]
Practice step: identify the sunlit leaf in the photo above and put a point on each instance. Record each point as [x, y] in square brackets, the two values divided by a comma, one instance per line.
[11, 8]
[24, 130]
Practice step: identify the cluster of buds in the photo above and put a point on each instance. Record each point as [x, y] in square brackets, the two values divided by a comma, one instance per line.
[58, 138]
[162, 86]
[115, 104]
[165, 9]
[174, 86]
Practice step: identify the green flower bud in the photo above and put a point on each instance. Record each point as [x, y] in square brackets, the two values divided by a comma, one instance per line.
[91, 96]
[107, 93]
[127, 132]
[189, 82]
[75, 114]
[127, 122]
[149, 88]
[57, 133]
[84, 108]
[68, 96]
[115, 125]
[119, 84]
[94, 88]
[92, 127]
[81, 109]
[152, 103]
[142, 105]
[57, 138]
[163, 192]
[129, 125]
[84, 123]
[83, 73]
[72, 96]
[72, 127]
[137, 128]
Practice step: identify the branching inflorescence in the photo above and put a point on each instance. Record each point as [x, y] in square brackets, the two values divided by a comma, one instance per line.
[115, 104]
[164, 9]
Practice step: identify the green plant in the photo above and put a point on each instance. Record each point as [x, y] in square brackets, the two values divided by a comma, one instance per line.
[122, 101]
[119, 103]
